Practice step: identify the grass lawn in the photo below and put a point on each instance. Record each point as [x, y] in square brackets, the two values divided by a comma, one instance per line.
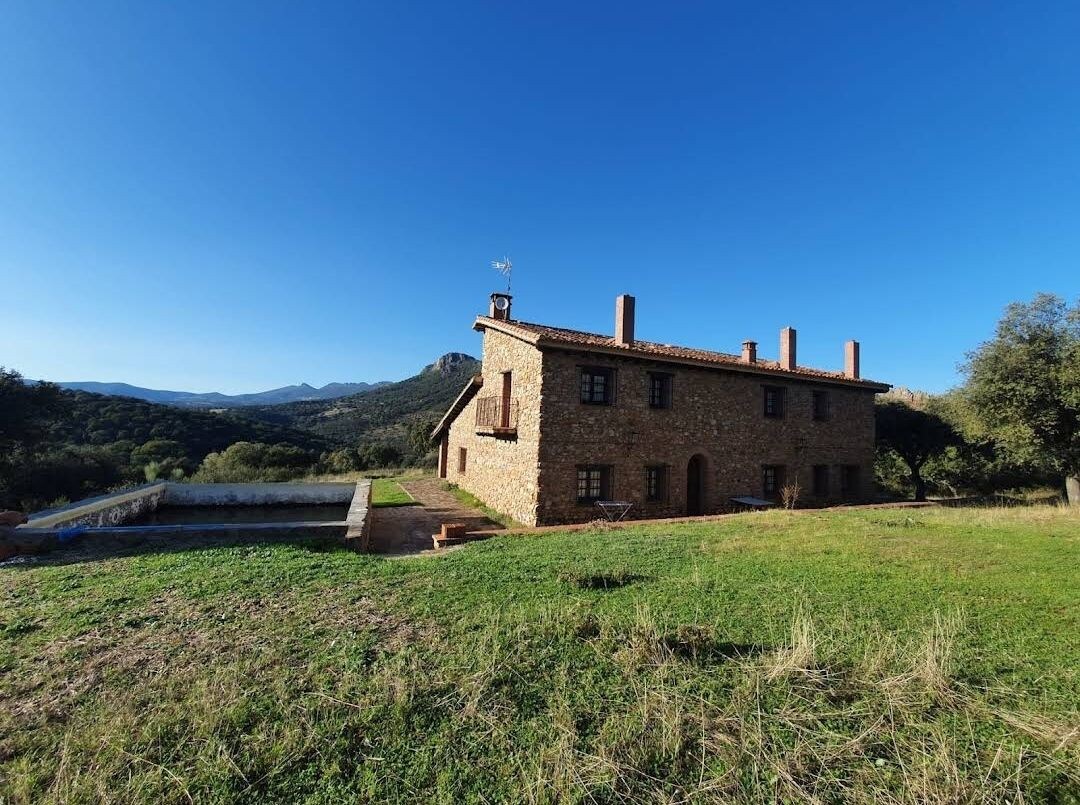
[927, 655]
[473, 502]
[388, 492]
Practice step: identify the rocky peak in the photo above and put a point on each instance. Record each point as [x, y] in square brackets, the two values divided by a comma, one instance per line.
[449, 362]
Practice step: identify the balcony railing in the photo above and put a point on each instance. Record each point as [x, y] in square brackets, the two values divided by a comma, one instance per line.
[496, 418]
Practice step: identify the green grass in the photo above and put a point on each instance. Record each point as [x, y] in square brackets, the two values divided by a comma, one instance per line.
[388, 492]
[889, 656]
[386, 489]
[473, 502]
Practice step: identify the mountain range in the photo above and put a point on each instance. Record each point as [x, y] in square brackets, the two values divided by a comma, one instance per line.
[113, 413]
[103, 437]
[213, 399]
[378, 415]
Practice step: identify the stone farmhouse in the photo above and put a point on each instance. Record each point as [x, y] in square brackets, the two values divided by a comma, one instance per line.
[560, 419]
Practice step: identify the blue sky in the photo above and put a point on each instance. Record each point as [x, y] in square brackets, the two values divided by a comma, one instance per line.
[236, 196]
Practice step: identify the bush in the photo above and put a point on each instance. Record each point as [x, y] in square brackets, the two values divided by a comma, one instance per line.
[160, 459]
[254, 462]
[339, 461]
[377, 455]
[71, 473]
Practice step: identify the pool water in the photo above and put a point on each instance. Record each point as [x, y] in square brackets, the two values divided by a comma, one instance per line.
[204, 515]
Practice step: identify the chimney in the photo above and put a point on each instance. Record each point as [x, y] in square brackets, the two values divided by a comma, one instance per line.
[787, 349]
[749, 351]
[851, 360]
[624, 320]
[500, 306]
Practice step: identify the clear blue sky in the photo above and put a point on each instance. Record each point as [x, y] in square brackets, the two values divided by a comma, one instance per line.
[234, 196]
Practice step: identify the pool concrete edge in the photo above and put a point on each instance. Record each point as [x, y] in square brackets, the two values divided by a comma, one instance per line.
[358, 520]
[102, 518]
[102, 511]
[183, 494]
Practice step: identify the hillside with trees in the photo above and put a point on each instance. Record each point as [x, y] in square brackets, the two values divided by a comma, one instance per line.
[63, 445]
[392, 415]
[58, 445]
[93, 419]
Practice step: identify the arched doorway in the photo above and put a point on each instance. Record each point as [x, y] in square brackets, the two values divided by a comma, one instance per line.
[695, 485]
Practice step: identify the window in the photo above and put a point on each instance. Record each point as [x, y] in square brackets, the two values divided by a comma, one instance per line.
[772, 480]
[821, 480]
[504, 402]
[462, 457]
[593, 483]
[659, 390]
[597, 386]
[656, 484]
[774, 401]
[849, 481]
[821, 405]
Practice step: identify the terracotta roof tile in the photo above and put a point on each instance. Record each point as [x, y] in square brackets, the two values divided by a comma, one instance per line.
[545, 335]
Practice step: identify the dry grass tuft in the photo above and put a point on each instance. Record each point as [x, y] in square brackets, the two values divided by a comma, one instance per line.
[800, 655]
[934, 659]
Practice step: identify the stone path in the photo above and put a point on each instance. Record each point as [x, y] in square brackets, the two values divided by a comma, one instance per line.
[406, 530]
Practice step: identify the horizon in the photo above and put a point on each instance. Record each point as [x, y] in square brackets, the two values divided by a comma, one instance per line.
[298, 384]
[212, 199]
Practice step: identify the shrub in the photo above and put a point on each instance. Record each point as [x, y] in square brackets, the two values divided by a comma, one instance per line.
[377, 455]
[70, 472]
[254, 462]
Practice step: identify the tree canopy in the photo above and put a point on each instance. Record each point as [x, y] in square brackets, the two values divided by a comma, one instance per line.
[1023, 387]
[28, 410]
[915, 436]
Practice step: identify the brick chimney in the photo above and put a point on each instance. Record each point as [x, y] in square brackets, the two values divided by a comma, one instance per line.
[749, 351]
[787, 349]
[851, 359]
[624, 320]
[500, 306]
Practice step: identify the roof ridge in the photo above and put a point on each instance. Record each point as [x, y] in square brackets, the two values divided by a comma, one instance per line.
[610, 338]
[583, 340]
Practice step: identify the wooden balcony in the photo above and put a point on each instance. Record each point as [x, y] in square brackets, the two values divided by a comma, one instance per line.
[494, 417]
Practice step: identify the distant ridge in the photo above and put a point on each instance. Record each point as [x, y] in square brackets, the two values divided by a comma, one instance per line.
[301, 392]
[378, 415]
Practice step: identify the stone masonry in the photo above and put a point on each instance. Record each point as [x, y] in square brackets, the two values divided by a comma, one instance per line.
[716, 413]
[502, 472]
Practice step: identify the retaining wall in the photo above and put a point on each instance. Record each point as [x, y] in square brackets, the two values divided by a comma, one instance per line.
[103, 511]
[358, 520]
[101, 519]
[257, 494]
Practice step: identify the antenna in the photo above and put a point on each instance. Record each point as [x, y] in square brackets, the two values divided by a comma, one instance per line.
[504, 267]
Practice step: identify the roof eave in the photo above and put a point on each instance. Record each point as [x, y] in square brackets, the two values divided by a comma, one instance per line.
[458, 405]
[506, 328]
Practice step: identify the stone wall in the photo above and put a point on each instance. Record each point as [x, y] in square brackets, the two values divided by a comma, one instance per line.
[717, 414]
[106, 510]
[101, 521]
[358, 520]
[184, 494]
[502, 471]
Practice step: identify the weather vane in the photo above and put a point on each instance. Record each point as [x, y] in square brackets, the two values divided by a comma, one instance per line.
[504, 267]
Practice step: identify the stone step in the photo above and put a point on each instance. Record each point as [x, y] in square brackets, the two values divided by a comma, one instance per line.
[455, 534]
